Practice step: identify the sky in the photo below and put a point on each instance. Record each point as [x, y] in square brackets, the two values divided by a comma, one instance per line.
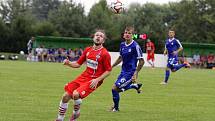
[88, 3]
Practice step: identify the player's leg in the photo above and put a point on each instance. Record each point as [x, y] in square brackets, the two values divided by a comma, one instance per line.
[177, 66]
[81, 92]
[124, 82]
[63, 106]
[116, 98]
[148, 59]
[167, 74]
[136, 86]
[153, 61]
[77, 105]
[69, 88]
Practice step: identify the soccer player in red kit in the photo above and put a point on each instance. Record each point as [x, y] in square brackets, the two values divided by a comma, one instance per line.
[98, 67]
[150, 48]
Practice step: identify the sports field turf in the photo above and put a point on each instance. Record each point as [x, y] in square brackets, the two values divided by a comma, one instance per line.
[31, 92]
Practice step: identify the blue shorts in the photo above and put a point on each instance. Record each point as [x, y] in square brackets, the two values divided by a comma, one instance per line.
[124, 80]
[172, 61]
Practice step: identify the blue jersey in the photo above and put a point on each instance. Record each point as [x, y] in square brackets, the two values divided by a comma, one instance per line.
[172, 45]
[130, 54]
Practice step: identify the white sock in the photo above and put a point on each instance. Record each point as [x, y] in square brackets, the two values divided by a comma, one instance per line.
[77, 104]
[62, 110]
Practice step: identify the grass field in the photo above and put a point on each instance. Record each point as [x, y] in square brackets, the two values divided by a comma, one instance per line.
[32, 91]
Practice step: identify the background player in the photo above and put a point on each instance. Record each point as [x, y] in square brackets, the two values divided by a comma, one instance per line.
[172, 48]
[150, 49]
[98, 62]
[130, 54]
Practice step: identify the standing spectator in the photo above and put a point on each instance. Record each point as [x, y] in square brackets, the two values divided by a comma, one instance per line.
[150, 49]
[30, 47]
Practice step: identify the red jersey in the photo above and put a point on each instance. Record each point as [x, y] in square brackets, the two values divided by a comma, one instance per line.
[97, 62]
[150, 47]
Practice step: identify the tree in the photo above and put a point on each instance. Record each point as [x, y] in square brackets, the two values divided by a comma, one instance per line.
[69, 20]
[41, 8]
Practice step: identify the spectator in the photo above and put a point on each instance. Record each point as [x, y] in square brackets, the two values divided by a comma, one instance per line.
[210, 60]
[39, 52]
[196, 60]
[30, 47]
[50, 55]
[203, 61]
[44, 53]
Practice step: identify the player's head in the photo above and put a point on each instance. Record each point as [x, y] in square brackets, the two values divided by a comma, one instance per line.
[99, 37]
[128, 33]
[148, 40]
[171, 33]
[32, 38]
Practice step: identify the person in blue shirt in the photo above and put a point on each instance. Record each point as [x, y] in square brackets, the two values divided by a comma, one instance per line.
[172, 48]
[130, 54]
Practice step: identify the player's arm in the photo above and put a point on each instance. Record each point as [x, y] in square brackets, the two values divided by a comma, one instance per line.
[71, 64]
[180, 48]
[119, 60]
[153, 48]
[165, 51]
[139, 67]
[108, 68]
[140, 64]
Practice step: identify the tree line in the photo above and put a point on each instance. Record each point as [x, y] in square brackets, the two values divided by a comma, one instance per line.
[193, 20]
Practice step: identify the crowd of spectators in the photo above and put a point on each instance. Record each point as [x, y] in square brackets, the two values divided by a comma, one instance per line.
[204, 61]
[42, 54]
[200, 61]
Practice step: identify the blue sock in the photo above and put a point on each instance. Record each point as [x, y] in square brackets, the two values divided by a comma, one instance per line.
[167, 75]
[116, 98]
[177, 67]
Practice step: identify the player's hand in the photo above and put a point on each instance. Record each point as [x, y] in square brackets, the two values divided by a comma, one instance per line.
[94, 83]
[66, 61]
[134, 78]
[175, 53]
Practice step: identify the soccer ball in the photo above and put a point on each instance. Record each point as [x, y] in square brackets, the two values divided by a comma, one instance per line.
[21, 52]
[117, 7]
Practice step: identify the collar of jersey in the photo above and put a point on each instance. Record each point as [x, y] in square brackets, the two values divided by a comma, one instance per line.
[170, 40]
[129, 43]
[97, 49]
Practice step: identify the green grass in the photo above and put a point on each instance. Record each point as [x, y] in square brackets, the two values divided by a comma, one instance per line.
[31, 92]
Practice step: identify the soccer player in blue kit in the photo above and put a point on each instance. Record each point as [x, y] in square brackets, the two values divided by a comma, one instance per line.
[130, 54]
[172, 48]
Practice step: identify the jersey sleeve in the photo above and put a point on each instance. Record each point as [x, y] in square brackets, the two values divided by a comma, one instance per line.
[107, 61]
[179, 44]
[82, 58]
[138, 51]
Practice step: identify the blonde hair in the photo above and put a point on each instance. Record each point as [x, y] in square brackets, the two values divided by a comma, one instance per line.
[129, 28]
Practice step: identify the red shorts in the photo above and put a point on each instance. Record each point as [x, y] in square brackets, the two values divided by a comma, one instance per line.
[81, 85]
[150, 57]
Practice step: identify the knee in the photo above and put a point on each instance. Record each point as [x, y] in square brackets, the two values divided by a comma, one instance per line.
[76, 95]
[115, 88]
[66, 98]
[173, 70]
